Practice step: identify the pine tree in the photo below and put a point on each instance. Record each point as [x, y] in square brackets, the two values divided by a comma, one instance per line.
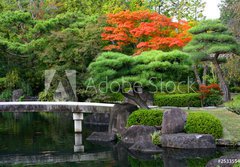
[150, 71]
[211, 41]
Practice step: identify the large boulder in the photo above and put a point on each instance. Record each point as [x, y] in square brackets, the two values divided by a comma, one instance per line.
[225, 161]
[16, 94]
[102, 137]
[137, 133]
[173, 121]
[187, 141]
[119, 117]
[145, 147]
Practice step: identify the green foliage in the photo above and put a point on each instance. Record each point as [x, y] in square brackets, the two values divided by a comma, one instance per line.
[211, 95]
[213, 99]
[181, 9]
[68, 41]
[6, 95]
[210, 41]
[108, 98]
[27, 89]
[183, 89]
[147, 70]
[156, 138]
[90, 7]
[178, 100]
[210, 37]
[235, 89]
[234, 106]
[232, 71]
[21, 98]
[46, 96]
[12, 79]
[203, 123]
[2, 83]
[145, 117]
[230, 15]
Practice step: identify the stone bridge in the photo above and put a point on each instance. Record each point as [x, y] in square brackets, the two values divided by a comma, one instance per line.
[36, 106]
[77, 108]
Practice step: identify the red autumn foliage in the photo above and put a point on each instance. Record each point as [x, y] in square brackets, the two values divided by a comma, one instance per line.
[205, 91]
[144, 30]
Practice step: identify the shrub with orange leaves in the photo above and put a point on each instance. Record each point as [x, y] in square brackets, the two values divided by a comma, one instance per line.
[211, 95]
[144, 30]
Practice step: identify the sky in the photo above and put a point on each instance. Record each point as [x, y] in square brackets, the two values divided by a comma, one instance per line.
[211, 10]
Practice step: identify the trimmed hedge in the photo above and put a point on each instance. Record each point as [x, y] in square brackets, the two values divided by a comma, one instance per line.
[234, 106]
[145, 117]
[178, 100]
[203, 123]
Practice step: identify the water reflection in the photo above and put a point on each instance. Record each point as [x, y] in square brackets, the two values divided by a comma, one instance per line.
[48, 139]
[35, 132]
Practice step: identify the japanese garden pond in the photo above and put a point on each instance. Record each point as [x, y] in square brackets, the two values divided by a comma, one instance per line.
[48, 139]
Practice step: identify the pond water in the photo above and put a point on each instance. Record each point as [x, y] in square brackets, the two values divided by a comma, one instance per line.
[47, 139]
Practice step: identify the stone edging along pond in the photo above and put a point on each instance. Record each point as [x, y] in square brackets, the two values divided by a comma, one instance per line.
[173, 123]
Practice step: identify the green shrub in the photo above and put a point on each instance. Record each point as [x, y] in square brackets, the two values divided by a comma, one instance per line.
[203, 123]
[235, 89]
[211, 95]
[46, 96]
[2, 83]
[213, 99]
[234, 106]
[183, 89]
[156, 138]
[145, 117]
[178, 100]
[12, 79]
[6, 95]
[26, 88]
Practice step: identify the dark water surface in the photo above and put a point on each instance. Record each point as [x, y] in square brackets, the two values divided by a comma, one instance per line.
[47, 139]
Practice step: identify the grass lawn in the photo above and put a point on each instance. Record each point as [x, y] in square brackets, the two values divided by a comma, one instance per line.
[230, 122]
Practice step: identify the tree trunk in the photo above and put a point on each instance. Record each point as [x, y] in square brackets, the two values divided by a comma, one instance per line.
[205, 69]
[197, 75]
[223, 84]
[137, 99]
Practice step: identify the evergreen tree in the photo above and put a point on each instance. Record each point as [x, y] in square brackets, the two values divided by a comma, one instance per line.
[211, 40]
[150, 71]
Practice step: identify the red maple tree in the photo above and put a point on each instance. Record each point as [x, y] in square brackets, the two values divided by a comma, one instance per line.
[144, 30]
[206, 91]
